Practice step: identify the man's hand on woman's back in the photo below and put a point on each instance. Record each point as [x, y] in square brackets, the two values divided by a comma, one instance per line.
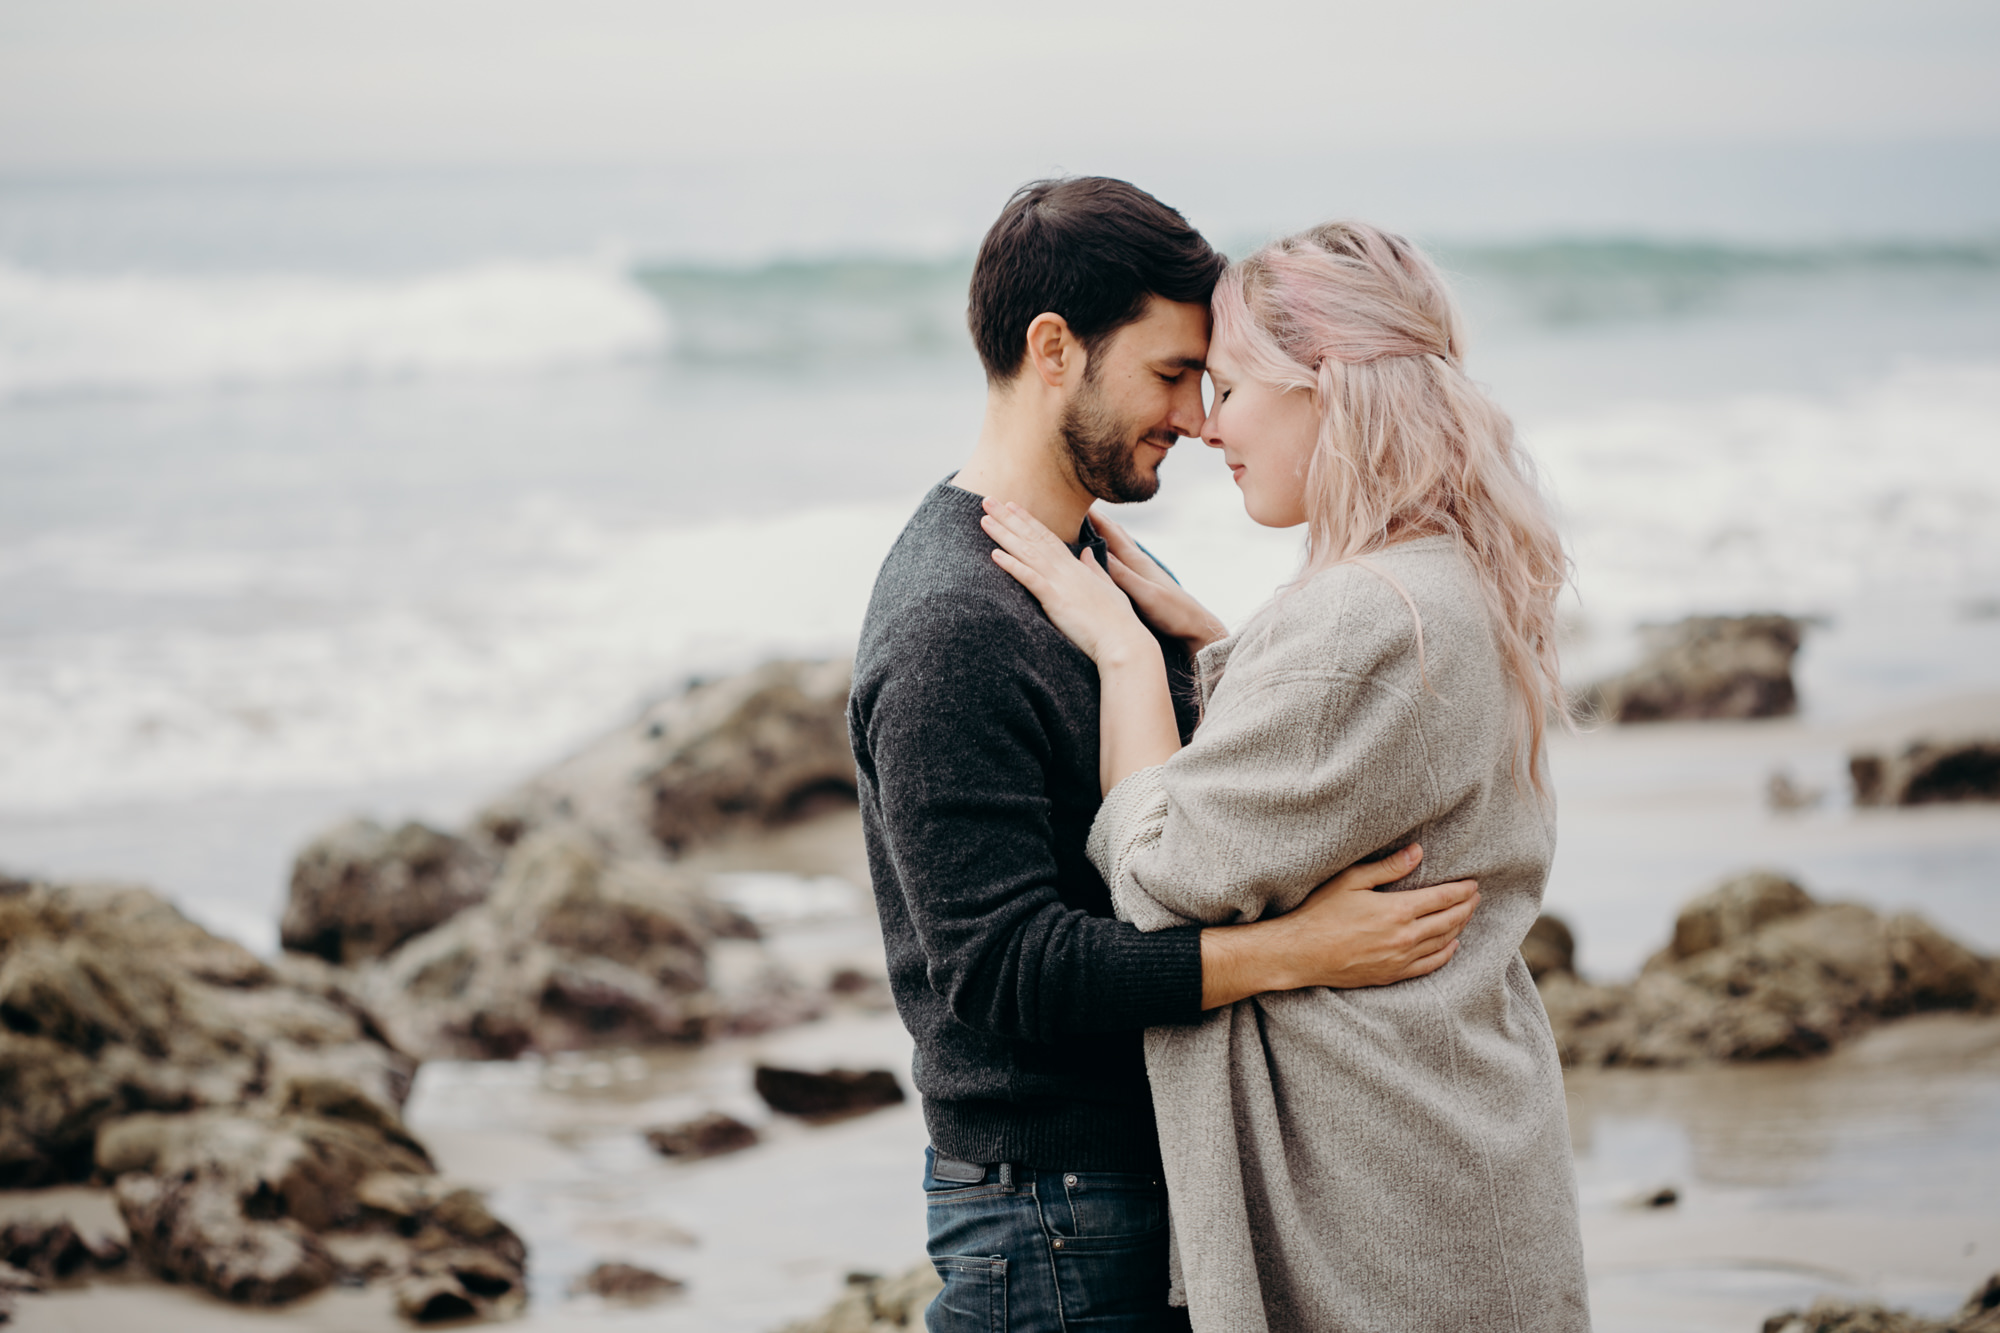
[1343, 935]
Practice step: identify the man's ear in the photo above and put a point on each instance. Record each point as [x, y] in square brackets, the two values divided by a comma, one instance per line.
[1053, 351]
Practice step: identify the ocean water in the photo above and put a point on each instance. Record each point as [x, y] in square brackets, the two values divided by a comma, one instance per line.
[376, 492]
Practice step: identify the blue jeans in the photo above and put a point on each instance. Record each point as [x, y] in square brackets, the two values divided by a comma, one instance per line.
[1049, 1252]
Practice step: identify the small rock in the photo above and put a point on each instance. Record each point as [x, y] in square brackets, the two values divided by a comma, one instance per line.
[832, 1092]
[429, 1298]
[1928, 772]
[1549, 947]
[871, 1304]
[52, 1248]
[705, 1136]
[1663, 1198]
[359, 890]
[196, 1229]
[751, 750]
[17, 1281]
[1707, 667]
[626, 1283]
[1734, 910]
[575, 948]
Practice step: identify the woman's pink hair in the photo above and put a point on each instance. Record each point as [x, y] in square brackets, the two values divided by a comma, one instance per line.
[1408, 446]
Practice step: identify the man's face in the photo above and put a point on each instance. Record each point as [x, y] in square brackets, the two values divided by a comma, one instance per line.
[1140, 393]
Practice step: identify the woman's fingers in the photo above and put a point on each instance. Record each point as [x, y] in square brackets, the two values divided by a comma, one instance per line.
[1120, 544]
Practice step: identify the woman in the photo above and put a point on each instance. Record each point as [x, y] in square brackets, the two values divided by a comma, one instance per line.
[1394, 1158]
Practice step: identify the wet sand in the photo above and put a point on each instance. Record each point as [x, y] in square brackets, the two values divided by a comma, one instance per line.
[1872, 1172]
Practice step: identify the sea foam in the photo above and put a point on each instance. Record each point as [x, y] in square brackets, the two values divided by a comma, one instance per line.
[83, 333]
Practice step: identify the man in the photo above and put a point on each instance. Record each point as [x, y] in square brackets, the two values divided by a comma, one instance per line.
[975, 727]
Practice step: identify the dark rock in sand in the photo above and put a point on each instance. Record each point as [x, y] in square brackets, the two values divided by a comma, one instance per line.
[626, 1283]
[574, 948]
[1927, 772]
[704, 1136]
[52, 1249]
[1980, 1314]
[1757, 969]
[872, 1304]
[752, 750]
[359, 890]
[832, 1092]
[1707, 667]
[1549, 947]
[249, 1117]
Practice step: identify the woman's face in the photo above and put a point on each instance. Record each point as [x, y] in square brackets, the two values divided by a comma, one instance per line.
[1266, 437]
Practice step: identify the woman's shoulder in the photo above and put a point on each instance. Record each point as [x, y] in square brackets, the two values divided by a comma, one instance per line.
[1359, 615]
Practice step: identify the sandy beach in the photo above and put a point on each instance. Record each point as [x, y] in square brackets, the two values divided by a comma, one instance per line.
[1869, 1173]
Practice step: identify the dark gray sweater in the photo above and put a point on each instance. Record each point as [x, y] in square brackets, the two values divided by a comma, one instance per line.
[974, 723]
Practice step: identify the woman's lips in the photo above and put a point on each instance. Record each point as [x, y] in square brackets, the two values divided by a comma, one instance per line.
[1236, 472]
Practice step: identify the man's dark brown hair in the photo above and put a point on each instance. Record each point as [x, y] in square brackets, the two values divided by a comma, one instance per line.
[1088, 248]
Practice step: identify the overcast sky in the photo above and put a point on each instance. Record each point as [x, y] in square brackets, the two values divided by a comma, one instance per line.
[172, 83]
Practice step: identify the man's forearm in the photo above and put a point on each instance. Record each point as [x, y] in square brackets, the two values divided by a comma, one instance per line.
[1344, 935]
[1240, 961]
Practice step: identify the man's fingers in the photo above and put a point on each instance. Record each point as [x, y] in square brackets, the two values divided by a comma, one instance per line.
[1430, 963]
[1446, 924]
[1441, 897]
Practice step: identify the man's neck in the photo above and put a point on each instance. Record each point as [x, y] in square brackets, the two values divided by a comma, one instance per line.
[1019, 457]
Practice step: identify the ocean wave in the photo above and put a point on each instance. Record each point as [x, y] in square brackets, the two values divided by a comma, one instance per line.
[83, 333]
[66, 334]
[1608, 279]
[551, 621]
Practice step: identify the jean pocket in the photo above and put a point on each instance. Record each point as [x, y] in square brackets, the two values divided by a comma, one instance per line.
[1106, 1206]
[974, 1299]
[1112, 1284]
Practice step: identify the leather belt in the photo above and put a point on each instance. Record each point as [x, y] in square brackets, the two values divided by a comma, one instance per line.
[957, 1172]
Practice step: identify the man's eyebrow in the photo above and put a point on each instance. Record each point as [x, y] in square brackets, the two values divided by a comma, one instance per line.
[1193, 363]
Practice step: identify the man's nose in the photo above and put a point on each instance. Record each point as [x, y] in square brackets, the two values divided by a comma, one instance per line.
[1188, 416]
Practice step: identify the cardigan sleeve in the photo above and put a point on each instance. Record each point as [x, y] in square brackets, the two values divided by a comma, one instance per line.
[1311, 758]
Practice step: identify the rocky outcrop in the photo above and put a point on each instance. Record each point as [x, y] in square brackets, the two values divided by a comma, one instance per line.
[1757, 969]
[708, 1135]
[827, 1093]
[751, 750]
[1928, 771]
[250, 1122]
[1706, 667]
[359, 890]
[560, 920]
[877, 1304]
[1980, 1314]
[573, 948]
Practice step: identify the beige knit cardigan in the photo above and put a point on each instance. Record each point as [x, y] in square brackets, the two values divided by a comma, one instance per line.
[1394, 1158]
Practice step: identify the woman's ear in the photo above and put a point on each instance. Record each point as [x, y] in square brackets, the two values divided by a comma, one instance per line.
[1053, 351]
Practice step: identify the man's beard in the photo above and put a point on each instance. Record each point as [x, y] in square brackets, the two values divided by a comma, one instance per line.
[1102, 451]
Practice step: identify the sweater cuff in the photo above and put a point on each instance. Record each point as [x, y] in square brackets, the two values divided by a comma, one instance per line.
[1161, 982]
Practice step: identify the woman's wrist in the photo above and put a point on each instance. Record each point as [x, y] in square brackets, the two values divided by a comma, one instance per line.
[1129, 652]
